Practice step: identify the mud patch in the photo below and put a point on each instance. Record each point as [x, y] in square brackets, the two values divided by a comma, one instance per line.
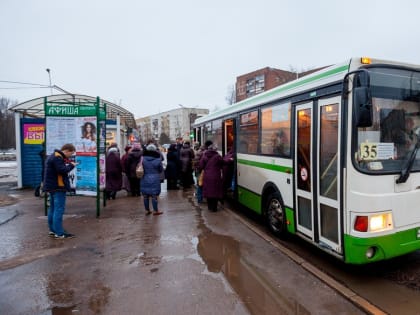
[144, 260]
[407, 278]
[99, 298]
[7, 200]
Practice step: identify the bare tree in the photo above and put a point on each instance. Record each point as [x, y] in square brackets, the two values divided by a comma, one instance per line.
[7, 125]
[164, 138]
[300, 72]
[231, 94]
[145, 130]
[215, 108]
[164, 130]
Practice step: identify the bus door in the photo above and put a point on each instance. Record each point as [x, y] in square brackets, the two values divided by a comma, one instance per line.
[304, 170]
[228, 145]
[317, 172]
[228, 136]
[328, 179]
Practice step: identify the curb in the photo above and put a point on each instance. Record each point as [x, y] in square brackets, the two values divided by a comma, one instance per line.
[6, 216]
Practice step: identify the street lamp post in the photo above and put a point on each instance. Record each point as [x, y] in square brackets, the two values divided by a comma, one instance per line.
[49, 76]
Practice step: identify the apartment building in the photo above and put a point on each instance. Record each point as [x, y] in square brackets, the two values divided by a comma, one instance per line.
[165, 127]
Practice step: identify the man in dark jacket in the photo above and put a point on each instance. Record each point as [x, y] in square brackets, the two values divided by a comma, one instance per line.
[57, 184]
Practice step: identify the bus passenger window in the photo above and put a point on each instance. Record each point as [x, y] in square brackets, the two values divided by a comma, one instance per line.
[281, 144]
[275, 130]
[248, 133]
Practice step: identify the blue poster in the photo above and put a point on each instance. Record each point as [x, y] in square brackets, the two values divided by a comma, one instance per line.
[86, 176]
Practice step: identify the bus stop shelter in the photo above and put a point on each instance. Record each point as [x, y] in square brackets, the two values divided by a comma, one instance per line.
[29, 162]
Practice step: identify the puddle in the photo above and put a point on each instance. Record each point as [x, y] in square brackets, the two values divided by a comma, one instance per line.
[62, 311]
[222, 254]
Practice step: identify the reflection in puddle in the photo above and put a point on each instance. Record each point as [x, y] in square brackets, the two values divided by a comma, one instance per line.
[63, 311]
[222, 254]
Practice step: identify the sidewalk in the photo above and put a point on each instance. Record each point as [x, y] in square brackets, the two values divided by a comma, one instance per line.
[186, 261]
[7, 213]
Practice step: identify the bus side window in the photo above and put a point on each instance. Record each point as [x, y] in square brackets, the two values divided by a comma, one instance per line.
[281, 144]
[243, 147]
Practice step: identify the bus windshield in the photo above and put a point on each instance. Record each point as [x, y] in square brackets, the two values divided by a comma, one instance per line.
[386, 146]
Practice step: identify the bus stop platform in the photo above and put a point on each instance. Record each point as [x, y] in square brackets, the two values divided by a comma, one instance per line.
[187, 261]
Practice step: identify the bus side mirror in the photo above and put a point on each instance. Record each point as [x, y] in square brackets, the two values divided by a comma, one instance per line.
[362, 106]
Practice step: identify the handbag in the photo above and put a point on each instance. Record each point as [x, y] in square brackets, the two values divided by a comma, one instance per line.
[201, 178]
[140, 169]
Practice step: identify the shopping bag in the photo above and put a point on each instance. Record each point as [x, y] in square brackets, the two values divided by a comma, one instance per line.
[201, 178]
[140, 169]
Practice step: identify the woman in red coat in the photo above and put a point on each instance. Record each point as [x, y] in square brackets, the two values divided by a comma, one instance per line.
[212, 164]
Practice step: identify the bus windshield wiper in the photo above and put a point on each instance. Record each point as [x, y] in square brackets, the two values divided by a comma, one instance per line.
[405, 172]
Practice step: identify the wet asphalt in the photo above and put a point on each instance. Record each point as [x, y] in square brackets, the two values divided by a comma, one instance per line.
[186, 261]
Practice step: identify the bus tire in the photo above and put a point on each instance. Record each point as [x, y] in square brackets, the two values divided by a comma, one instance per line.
[275, 215]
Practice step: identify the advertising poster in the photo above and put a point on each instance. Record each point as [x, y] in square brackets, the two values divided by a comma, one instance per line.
[81, 131]
[102, 136]
[86, 175]
[102, 171]
[86, 136]
[61, 130]
[33, 133]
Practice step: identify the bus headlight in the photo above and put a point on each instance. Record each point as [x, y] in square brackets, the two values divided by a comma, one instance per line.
[380, 222]
[373, 222]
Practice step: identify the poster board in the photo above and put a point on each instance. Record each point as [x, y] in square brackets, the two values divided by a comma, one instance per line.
[83, 125]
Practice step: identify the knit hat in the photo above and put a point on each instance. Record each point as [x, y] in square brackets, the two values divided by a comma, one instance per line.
[151, 147]
[212, 147]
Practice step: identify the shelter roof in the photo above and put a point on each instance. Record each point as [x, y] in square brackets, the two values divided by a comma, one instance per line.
[35, 107]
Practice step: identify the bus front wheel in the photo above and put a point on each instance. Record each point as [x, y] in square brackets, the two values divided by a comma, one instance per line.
[275, 215]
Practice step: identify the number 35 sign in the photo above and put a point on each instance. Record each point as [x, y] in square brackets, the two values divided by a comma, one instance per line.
[376, 151]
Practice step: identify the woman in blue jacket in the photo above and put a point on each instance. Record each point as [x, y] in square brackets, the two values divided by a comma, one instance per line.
[150, 182]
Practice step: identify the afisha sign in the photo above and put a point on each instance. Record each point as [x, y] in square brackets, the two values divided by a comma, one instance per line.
[70, 110]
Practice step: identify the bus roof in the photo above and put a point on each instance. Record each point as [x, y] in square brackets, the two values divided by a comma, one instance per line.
[324, 76]
[331, 74]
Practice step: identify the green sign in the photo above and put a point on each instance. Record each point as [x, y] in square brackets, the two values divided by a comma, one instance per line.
[70, 110]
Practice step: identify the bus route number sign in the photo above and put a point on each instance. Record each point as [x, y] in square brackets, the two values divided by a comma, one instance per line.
[376, 151]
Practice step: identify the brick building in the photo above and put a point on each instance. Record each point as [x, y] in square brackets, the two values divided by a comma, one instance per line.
[264, 79]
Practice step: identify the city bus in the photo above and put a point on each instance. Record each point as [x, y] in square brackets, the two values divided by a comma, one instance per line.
[331, 157]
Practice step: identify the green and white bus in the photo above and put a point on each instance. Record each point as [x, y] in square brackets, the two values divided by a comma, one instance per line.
[331, 157]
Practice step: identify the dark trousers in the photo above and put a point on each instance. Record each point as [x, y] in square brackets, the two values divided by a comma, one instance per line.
[187, 179]
[135, 186]
[212, 204]
[171, 183]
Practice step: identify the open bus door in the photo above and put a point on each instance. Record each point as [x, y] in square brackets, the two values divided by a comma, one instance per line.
[228, 141]
[229, 144]
[317, 176]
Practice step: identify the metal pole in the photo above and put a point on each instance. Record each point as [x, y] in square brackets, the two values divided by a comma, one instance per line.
[49, 76]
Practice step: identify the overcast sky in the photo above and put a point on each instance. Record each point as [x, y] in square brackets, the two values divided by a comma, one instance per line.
[150, 56]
